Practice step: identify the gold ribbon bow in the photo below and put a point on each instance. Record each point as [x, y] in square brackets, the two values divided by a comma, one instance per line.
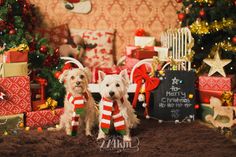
[20, 48]
[50, 103]
[227, 98]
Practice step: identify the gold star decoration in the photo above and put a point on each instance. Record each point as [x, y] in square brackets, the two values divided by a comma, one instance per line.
[217, 64]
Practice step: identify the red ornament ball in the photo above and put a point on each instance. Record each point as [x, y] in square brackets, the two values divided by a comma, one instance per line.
[234, 40]
[179, 1]
[181, 16]
[57, 74]
[12, 32]
[202, 13]
[140, 32]
[43, 49]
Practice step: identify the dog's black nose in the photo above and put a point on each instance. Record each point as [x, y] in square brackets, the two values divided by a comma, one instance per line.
[111, 93]
[78, 83]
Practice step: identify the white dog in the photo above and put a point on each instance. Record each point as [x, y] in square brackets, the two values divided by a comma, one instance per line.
[114, 107]
[79, 105]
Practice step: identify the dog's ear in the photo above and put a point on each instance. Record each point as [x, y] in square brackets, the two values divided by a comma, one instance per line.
[124, 75]
[101, 76]
[88, 73]
[62, 77]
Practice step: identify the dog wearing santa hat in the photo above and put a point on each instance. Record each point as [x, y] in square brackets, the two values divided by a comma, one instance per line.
[79, 105]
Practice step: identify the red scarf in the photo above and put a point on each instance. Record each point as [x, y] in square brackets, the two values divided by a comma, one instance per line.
[79, 104]
[111, 110]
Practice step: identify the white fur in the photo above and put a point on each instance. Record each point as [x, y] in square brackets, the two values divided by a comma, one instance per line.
[88, 120]
[110, 83]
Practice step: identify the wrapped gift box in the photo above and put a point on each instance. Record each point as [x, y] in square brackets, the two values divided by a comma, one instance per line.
[15, 56]
[12, 122]
[217, 83]
[109, 71]
[38, 88]
[13, 69]
[36, 104]
[43, 118]
[205, 95]
[143, 41]
[17, 95]
[141, 53]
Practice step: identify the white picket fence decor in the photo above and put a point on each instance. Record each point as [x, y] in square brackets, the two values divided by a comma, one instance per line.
[180, 43]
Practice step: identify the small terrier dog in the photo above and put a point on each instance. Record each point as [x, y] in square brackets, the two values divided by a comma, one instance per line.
[79, 105]
[114, 107]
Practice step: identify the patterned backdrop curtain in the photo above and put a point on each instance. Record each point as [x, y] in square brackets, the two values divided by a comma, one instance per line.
[125, 16]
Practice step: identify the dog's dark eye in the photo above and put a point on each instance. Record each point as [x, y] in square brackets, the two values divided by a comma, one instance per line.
[81, 76]
[107, 85]
[72, 77]
[117, 85]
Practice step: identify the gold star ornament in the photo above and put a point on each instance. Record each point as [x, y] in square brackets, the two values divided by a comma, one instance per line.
[217, 64]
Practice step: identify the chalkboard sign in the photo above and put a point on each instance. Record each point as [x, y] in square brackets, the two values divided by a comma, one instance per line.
[174, 98]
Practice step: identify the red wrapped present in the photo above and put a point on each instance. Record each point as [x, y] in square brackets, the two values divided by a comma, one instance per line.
[15, 56]
[15, 95]
[226, 97]
[143, 53]
[43, 118]
[217, 83]
[205, 95]
[109, 71]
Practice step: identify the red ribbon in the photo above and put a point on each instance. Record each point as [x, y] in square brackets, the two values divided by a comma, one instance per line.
[140, 74]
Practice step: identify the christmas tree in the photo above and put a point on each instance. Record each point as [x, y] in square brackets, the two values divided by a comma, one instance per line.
[213, 25]
[17, 23]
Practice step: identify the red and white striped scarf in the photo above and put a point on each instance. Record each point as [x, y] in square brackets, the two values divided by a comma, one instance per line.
[111, 111]
[79, 104]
